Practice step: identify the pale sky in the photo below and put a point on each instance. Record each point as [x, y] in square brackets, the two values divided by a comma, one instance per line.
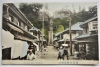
[52, 7]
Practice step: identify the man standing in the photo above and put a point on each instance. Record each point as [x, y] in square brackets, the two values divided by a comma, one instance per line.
[61, 53]
[66, 53]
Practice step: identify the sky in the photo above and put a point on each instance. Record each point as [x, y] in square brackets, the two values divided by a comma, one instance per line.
[53, 7]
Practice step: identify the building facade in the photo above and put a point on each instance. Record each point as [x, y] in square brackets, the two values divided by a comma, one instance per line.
[64, 37]
[88, 41]
[15, 32]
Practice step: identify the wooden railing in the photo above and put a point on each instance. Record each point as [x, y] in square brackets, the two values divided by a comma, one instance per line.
[13, 16]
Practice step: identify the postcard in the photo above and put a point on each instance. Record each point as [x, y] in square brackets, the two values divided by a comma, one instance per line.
[50, 33]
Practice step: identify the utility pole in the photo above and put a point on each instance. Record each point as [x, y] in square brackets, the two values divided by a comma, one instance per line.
[43, 19]
[42, 29]
[70, 33]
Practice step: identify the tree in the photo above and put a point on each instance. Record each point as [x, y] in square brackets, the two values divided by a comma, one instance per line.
[31, 11]
[92, 11]
[65, 22]
[59, 29]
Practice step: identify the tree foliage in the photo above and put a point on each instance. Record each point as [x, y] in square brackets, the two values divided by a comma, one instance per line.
[59, 29]
[80, 16]
[31, 11]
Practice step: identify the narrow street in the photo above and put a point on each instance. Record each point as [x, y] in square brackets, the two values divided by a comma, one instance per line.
[49, 58]
[51, 53]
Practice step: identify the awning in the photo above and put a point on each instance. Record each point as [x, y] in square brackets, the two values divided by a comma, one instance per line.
[87, 41]
[22, 38]
[62, 40]
[15, 28]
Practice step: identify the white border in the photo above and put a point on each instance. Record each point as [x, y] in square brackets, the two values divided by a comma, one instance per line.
[18, 1]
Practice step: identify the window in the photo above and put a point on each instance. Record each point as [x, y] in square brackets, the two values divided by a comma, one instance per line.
[86, 30]
[25, 27]
[16, 21]
[20, 24]
[95, 25]
[11, 18]
[5, 9]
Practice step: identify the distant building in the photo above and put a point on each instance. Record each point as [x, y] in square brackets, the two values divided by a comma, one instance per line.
[65, 36]
[39, 38]
[58, 37]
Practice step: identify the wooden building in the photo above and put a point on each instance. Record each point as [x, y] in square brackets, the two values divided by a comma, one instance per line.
[88, 41]
[15, 31]
[64, 37]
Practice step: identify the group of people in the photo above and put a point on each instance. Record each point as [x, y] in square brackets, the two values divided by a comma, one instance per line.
[62, 53]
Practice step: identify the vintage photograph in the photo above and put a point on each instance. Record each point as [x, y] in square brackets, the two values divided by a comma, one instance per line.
[50, 33]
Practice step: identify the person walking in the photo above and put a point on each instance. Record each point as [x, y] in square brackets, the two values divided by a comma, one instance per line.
[61, 54]
[66, 53]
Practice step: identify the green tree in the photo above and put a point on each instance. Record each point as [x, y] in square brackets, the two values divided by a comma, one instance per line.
[56, 23]
[59, 29]
[65, 23]
[31, 11]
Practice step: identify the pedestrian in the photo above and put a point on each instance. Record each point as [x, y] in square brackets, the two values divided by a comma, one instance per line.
[33, 50]
[66, 53]
[76, 54]
[31, 56]
[61, 54]
[44, 50]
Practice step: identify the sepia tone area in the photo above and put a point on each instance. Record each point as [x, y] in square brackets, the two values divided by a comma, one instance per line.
[34, 33]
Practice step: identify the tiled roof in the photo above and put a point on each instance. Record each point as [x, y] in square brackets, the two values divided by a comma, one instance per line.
[89, 20]
[58, 34]
[34, 28]
[75, 27]
[84, 36]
